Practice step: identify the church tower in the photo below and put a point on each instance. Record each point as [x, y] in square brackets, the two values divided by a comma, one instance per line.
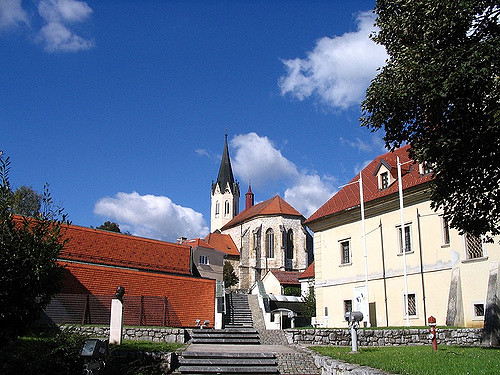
[225, 194]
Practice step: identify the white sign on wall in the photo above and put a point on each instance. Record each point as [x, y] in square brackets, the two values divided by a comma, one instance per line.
[360, 302]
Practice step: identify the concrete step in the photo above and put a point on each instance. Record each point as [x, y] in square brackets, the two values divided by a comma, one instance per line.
[228, 340]
[227, 363]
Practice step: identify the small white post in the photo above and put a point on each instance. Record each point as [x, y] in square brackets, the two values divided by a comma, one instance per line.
[116, 322]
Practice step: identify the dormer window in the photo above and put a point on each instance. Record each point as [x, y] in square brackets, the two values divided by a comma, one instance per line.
[384, 180]
[424, 168]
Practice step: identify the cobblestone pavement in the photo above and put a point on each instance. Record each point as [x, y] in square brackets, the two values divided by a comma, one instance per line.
[296, 363]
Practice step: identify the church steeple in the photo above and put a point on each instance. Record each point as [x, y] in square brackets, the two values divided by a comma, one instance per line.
[225, 193]
[225, 175]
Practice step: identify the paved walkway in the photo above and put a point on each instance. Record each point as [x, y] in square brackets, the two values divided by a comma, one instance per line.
[290, 360]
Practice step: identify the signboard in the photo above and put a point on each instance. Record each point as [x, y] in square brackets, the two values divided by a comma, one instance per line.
[360, 302]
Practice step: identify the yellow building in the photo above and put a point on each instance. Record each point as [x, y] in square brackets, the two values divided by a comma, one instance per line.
[450, 276]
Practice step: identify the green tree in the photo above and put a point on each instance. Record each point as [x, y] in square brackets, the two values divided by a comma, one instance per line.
[309, 304]
[110, 226]
[29, 246]
[228, 275]
[440, 92]
[26, 201]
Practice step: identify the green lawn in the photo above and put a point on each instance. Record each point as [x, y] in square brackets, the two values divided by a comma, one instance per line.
[419, 360]
[147, 346]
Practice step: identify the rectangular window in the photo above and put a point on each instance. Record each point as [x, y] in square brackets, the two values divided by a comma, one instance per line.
[411, 302]
[326, 310]
[204, 259]
[479, 310]
[347, 305]
[445, 229]
[473, 246]
[345, 252]
[384, 180]
[407, 239]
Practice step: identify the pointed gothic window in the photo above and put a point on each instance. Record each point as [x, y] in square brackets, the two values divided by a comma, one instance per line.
[217, 209]
[270, 243]
[226, 208]
[289, 244]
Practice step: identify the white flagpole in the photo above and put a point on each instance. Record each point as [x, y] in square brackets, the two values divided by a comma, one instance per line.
[361, 199]
[403, 244]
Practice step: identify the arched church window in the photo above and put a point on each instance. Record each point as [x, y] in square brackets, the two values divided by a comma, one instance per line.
[217, 209]
[289, 244]
[226, 208]
[270, 243]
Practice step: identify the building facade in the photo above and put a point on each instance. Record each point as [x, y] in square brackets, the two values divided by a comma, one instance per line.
[449, 276]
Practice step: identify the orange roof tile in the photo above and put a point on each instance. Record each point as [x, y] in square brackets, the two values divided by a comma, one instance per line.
[287, 277]
[273, 206]
[196, 242]
[308, 273]
[348, 196]
[222, 242]
[103, 247]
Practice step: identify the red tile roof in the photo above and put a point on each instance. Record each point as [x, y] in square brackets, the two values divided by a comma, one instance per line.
[222, 242]
[287, 277]
[308, 273]
[103, 247]
[180, 290]
[348, 196]
[197, 242]
[273, 206]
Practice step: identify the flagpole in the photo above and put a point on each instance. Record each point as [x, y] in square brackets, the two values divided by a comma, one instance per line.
[361, 199]
[403, 244]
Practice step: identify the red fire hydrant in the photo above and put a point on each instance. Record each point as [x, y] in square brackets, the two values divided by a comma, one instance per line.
[432, 330]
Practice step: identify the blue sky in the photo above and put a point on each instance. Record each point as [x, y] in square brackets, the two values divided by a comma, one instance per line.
[122, 106]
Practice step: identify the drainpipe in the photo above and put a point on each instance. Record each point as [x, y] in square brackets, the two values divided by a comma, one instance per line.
[421, 265]
[383, 275]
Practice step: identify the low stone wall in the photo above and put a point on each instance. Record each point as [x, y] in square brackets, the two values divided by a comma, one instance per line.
[384, 337]
[330, 366]
[177, 335]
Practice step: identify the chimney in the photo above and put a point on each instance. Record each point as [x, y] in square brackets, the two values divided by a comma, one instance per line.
[249, 198]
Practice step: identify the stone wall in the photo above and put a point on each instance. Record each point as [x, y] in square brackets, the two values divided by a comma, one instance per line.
[178, 335]
[384, 337]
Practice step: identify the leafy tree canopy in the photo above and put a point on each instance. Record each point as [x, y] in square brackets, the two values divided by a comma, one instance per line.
[26, 201]
[309, 304]
[440, 92]
[228, 275]
[110, 226]
[29, 246]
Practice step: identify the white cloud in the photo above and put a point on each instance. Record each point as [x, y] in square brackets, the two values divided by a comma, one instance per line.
[309, 193]
[56, 34]
[202, 152]
[12, 14]
[374, 143]
[339, 69]
[257, 159]
[152, 216]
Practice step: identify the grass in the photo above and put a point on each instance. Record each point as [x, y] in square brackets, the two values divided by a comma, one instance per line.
[421, 360]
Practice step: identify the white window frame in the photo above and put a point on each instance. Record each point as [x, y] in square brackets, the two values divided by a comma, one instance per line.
[341, 248]
[227, 208]
[445, 227]
[381, 180]
[415, 316]
[400, 246]
[203, 259]
[478, 317]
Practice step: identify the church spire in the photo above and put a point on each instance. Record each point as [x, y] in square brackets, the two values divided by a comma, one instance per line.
[225, 171]
[225, 193]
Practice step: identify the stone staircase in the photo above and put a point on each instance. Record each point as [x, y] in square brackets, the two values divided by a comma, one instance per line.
[238, 313]
[227, 363]
[240, 336]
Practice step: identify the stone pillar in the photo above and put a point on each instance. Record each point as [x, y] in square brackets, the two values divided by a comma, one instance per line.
[116, 322]
[455, 311]
[491, 333]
